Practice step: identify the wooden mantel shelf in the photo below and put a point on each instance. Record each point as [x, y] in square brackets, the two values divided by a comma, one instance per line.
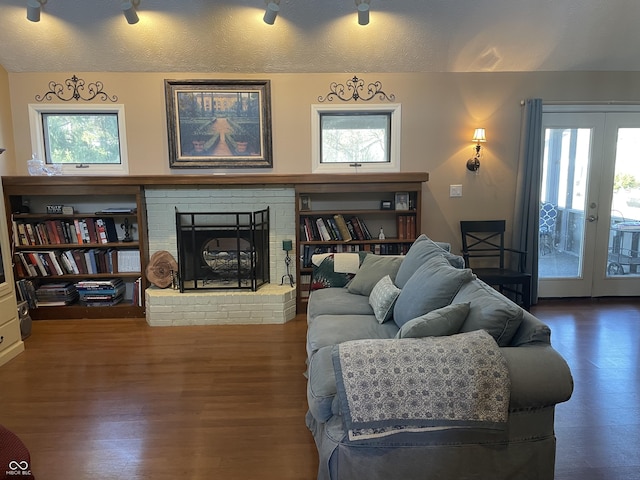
[215, 179]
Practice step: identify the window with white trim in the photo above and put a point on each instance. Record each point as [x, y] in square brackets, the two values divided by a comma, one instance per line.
[80, 139]
[348, 138]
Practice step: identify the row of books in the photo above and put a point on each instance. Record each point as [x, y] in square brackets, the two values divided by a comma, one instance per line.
[89, 293]
[335, 228]
[309, 251]
[45, 263]
[60, 232]
[406, 227]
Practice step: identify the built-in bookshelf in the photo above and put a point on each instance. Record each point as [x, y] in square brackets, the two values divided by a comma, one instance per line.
[63, 237]
[382, 218]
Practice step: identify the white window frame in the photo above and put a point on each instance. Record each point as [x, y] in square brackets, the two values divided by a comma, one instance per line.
[394, 148]
[37, 137]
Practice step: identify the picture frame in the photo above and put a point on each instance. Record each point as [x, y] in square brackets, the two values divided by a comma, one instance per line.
[219, 123]
[386, 205]
[305, 202]
[402, 200]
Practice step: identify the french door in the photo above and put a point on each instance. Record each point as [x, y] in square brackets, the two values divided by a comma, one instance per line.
[590, 202]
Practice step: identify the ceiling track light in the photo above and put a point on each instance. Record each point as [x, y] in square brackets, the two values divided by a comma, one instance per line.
[34, 8]
[270, 13]
[363, 12]
[129, 11]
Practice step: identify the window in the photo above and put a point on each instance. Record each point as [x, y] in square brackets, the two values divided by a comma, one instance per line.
[80, 139]
[355, 138]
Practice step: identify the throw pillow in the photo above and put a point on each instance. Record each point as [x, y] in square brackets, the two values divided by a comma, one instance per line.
[422, 250]
[490, 311]
[432, 286]
[373, 268]
[325, 276]
[382, 298]
[438, 323]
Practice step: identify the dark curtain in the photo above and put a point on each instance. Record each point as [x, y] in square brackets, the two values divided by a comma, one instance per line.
[527, 212]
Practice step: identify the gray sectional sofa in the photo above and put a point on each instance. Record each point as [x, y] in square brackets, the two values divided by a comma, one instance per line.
[419, 370]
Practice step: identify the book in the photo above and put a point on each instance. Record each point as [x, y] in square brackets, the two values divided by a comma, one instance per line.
[110, 227]
[101, 230]
[91, 230]
[342, 227]
[322, 228]
[128, 261]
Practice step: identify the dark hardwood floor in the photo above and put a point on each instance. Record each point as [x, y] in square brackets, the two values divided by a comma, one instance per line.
[598, 429]
[116, 399]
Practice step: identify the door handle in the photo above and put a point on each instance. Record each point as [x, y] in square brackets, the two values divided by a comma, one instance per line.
[592, 218]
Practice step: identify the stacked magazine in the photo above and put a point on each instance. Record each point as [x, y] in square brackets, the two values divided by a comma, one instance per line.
[101, 293]
[56, 294]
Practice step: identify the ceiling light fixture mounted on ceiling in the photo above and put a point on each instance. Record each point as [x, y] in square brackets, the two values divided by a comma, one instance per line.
[271, 12]
[129, 11]
[33, 9]
[363, 12]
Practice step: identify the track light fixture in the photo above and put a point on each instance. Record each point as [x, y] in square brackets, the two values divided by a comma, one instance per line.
[271, 13]
[33, 10]
[129, 11]
[363, 12]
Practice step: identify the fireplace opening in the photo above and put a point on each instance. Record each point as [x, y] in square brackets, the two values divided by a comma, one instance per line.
[223, 250]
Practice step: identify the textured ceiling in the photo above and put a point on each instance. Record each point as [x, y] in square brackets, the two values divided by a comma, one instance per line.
[323, 36]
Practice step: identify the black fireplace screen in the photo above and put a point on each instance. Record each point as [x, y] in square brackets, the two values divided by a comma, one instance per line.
[223, 250]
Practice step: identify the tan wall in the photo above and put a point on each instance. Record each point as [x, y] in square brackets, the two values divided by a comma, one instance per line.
[7, 159]
[439, 113]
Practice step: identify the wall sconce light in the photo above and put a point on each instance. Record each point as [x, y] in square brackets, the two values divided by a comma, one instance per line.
[473, 164]
[33, 9]
[287, 246]
[271, 13]
[129, 11]
[363, 12]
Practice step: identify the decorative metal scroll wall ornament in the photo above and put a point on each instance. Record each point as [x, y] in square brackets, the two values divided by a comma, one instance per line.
[355, 85]
[76, 87]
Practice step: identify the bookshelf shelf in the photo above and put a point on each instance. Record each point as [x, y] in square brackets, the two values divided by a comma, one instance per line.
[67, 248]
[324, 211]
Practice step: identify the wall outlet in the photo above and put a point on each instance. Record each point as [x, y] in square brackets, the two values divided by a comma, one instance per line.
[455, 190]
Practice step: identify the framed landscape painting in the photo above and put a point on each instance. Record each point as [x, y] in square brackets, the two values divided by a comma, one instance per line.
[219, 123]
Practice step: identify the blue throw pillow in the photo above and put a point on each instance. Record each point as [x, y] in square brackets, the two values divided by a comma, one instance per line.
[432, 286]
[422, 250]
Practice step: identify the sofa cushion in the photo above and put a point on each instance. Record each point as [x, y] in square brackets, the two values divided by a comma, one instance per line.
[382, 299]
[333, 329]
[422, 250]
[433, 285]
[490, 311]
[438, 323]
[337, 301]
[373, 268]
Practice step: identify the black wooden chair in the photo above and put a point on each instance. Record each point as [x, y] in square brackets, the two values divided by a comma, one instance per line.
[483, 245]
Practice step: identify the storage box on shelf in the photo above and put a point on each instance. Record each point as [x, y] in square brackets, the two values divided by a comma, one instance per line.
[346, 217]
[103, 240]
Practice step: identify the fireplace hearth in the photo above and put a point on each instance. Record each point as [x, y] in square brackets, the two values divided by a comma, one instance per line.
[223, 250]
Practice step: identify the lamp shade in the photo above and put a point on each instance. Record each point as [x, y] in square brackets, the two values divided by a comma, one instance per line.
[287, 245]
[479, 135]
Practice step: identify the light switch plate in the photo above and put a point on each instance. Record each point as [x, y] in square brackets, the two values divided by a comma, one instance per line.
[455, 190]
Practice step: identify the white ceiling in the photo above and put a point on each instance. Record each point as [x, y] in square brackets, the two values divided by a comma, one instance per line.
[323, 36]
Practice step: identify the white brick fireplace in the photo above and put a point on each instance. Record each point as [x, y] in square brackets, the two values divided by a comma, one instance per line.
[272, 303]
